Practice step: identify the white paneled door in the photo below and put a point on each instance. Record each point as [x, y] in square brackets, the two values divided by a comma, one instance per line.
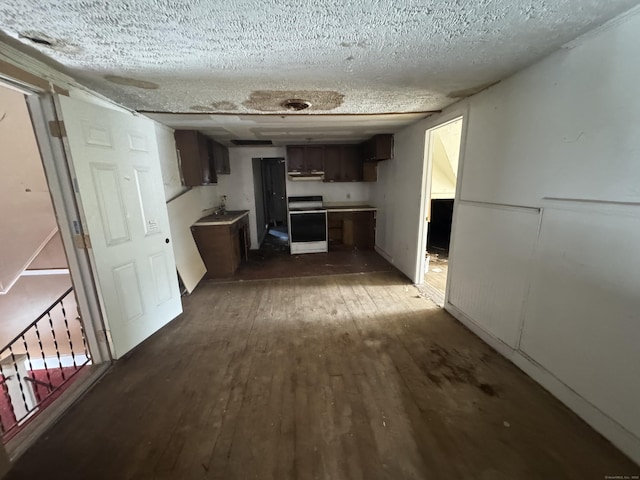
[115, 160]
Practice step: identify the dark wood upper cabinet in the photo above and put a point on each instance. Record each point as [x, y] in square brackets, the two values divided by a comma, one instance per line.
[378, 147]
[314, 158]
[194, 155]
[333, 163]
[295, 158]
[305, 158]
[351, 163]
[220, 155]
[342, 163]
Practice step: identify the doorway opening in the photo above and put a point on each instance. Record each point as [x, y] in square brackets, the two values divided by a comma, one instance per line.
[44, 345]
[442, 159]
[269, 179]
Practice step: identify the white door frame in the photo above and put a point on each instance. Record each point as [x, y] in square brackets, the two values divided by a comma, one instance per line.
[43, 110]
[457, 112]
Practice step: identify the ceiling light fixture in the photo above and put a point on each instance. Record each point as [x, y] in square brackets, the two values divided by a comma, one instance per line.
[296, 104]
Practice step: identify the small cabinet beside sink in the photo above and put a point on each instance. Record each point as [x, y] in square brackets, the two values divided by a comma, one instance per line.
[223, 242]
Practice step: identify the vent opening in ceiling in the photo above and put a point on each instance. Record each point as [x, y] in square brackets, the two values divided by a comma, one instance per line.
[245, 143]
[296, 104]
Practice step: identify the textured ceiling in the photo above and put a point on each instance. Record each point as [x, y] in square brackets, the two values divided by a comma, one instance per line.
[246, 56]
[289, 129]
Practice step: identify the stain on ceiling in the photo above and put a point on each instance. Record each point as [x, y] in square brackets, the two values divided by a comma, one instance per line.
[243, 56]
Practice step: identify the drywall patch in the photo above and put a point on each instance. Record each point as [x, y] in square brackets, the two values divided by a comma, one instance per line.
[131, 82]
[467, 92]
[272, 100]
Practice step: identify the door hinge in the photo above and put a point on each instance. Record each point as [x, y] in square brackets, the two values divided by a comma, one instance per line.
[57, 128]
[82, 241]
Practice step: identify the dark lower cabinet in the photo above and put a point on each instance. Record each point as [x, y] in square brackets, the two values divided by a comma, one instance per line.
[352, 229]
[223, 247]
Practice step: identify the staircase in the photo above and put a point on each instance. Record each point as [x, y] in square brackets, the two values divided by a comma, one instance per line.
[40, 363]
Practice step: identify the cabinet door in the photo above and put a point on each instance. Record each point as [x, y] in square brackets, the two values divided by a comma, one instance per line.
[369, 150]
[237, 250]
[351, 164]
[221, 158]
[334, 223]
[188, 147]
[206, 161]
[216, 250]
[364, 228]
[295, 159]
[313, 158]
[370, 171]
[332, 163]
[382, 147]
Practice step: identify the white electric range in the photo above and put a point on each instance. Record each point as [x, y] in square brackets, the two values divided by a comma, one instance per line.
[307, 224]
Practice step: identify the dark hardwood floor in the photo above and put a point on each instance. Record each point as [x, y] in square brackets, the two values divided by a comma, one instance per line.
[334, 377]
[268, 263]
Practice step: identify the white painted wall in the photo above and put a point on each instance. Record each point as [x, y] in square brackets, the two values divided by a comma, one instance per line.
[239, 188]
[554, 291]
[341, 192]
[398, 196]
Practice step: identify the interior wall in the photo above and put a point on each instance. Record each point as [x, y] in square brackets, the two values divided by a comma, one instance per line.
[547, 223]
[332, 192]
[239, 188]
[398, 196]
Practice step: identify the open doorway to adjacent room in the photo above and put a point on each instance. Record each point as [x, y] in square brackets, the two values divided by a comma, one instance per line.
[442, 158]
[269, 179]
[44, 345]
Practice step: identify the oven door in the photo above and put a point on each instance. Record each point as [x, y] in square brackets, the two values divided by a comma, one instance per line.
[310, 226]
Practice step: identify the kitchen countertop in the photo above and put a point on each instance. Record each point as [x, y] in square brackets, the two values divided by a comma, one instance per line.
[227, 218]
[350, 208]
